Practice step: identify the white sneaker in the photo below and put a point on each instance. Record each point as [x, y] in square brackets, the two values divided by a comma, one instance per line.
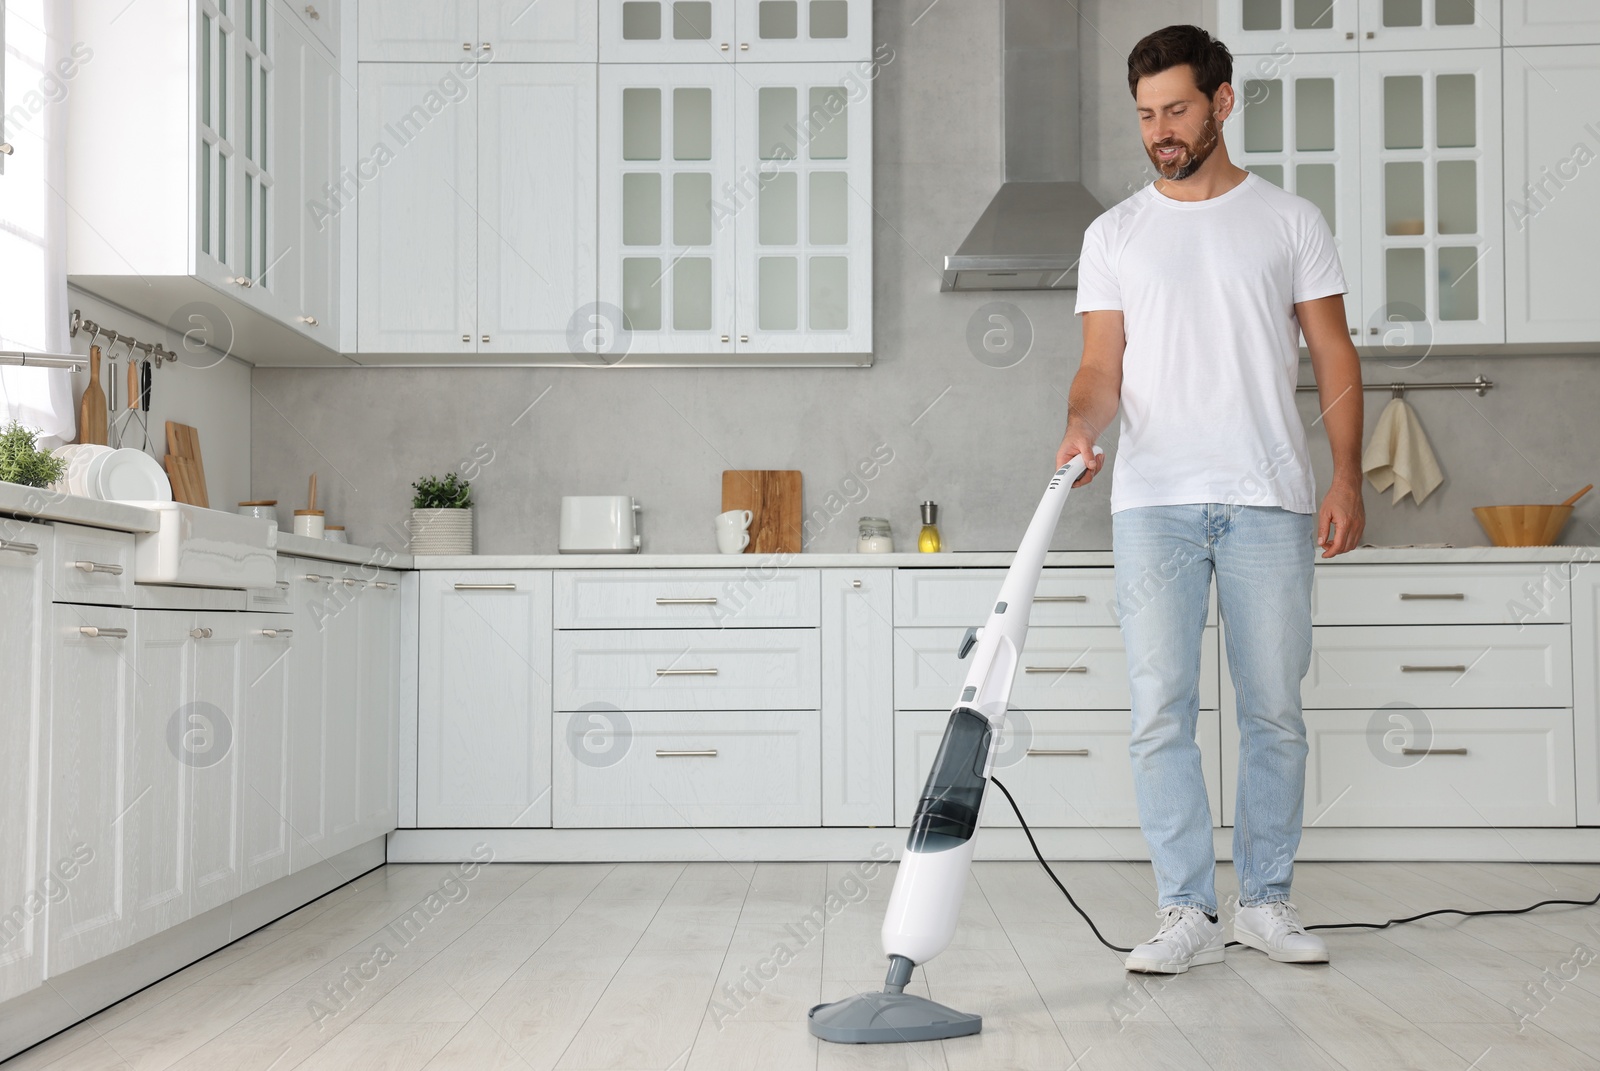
[1187, 938]
[1275, 929]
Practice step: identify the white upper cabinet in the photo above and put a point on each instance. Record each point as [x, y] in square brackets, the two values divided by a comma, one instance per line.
[804, 229]
[418, 225]
[667, 31]
[1288, 27]
[317, 18]
[1551, 22]
[421, 31]
[1433, 266]
[804, 30]
[536, 224]
[668, 207]
[309, 200]
[1297, 125]
[1552, 223]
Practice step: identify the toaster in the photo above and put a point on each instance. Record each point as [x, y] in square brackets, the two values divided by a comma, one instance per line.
[599, 524]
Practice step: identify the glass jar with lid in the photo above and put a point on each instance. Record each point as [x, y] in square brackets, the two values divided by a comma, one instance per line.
[874, 536]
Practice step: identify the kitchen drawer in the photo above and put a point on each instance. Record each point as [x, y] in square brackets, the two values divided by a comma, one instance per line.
[1065, 769]
[93, 565]
[1440, 594]
[688, 669]
[27, 545]
[965, 597]
[735, 768]
[752, 597]
[1062, 669]
[273, 600]
[1481, 768]
[1439, 666]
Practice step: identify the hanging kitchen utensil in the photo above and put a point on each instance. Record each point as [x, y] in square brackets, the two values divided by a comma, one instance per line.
[92, 406]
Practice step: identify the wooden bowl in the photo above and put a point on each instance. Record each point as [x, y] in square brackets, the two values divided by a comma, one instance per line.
[1523, 526]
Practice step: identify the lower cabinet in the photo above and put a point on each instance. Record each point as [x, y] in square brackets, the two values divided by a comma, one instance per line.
[857, 639]
[483, 680]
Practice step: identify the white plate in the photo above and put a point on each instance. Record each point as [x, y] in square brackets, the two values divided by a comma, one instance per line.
[132, 475]
[83, 465]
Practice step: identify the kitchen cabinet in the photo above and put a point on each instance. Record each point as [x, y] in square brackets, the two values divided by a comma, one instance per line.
[91, 651]
[213, 749]
[1296, 27]
[156, 787]
[509, 31]
[857, 637]
[1432, 266]
[1583, 578]
[377, 674]
[1550, 22]
[1552, 221]
[1297, 125]
[484, 699]
[29, 874]
[339, 633]
[262, 731]
[309, 201]
[310, 766]
[702, 31]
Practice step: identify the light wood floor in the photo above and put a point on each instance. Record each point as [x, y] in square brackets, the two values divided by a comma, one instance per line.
[618, 966]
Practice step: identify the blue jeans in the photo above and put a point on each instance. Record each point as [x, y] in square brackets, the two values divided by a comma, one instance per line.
[1262, 557]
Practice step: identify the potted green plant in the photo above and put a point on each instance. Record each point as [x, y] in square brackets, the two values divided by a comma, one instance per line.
[441, 515]
[22, 461]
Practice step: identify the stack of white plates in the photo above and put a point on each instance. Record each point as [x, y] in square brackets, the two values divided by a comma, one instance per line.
[441, 531]
[112, 475]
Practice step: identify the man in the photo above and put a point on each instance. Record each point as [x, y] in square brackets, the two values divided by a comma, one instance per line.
[1194, 293]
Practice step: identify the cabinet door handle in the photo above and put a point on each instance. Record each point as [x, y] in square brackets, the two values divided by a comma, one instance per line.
[486, 338]
[283, 584]
[1456, 595]
[1055, 669]
[855, 583]
[486, 587]
[19, 547]
[98, 567]
[317, 578]
[96, 632]
[350, 581]
[466, 338]
[724, 47]
[466, 46]
[709, 600]
[686, 672]
[200, 633]
[744, 338]
[486, 46]
[275, 633]
[686, 753]
[312, 13]
[1061, 598]
[1040, 752]
[309, 321]
[744, 46]
[384, 584]
[1433, 669]
[1433, 751]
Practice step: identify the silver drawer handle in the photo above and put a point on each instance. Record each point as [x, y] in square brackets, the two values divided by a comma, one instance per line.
[276, 633]
[283, 584]
[1061, 598]
[1458, 595]
[669, 753]
[200, 633]
[686, 672]
[349, 580]
[486, 587]
[317, 578]
[95, 632]
[1433, 751]
[384, 584]
[1433, 669]
[98, 567]
[1078, 752]
[20, 548]
[708, 601]
[1055, 669]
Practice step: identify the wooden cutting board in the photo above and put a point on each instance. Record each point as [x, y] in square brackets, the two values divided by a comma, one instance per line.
[92, 406]
[773, 496]
[183, 443]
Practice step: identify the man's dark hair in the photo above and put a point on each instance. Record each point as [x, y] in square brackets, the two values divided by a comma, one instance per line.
[1209, 58]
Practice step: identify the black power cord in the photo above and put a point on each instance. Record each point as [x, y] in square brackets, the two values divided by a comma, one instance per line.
[1321, 926]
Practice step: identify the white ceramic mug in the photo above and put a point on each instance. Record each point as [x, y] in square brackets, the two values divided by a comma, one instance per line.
[733, 530]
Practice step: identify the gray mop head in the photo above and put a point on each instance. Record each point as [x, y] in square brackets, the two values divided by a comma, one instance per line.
[888, 1017]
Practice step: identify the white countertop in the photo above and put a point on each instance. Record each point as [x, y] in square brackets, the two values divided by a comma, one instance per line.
[300, 546]
[37, 503]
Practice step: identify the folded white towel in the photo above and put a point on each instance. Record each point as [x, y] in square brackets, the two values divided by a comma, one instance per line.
[1399, 455]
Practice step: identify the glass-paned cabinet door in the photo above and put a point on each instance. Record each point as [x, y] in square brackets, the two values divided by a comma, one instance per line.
[805, 236]
[217, 146]
[670, 204]
[1285, 27]
[1296, 124]
[258, 206]
[1422, 24]
[667, 31]
[804, 30]
[1433, 248]
[1551, 22]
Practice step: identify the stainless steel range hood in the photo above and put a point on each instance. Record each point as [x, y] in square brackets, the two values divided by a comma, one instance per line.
[1031, 235]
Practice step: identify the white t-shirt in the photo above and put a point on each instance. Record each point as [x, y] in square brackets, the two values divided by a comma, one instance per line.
[1207, 291]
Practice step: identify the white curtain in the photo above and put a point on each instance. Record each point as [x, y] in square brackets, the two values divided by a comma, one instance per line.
[33, 212]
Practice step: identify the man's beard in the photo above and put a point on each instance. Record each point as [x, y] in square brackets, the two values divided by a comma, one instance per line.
[1194, 155]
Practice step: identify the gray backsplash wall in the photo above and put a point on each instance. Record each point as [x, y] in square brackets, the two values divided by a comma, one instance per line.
[978, 440]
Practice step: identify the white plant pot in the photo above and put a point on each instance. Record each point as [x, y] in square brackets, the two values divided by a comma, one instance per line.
[441, 531]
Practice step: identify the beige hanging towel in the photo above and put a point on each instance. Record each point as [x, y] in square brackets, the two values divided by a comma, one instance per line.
[1399, 455]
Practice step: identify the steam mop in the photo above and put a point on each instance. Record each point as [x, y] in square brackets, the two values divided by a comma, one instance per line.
[933, 871]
